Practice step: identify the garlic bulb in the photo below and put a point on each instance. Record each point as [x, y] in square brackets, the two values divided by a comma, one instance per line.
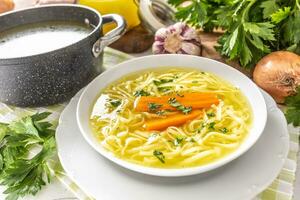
[177, 39]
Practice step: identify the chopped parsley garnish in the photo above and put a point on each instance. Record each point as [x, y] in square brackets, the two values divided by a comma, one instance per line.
[211, 125]
[224, 130]
[192, 140]
[141, 93]
[180, 95]
[178, 140]
[174, 103]
[210, 114]
[159, 155]
[114, 102]
[153, 107]
[161, 112]
[200, 128]
[164, 89]
[162, 81]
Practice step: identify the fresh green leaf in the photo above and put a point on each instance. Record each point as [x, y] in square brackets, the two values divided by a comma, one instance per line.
[159, 155]
[20, 173]
[3, 130]
[40, 116]
[292, 112]
[281, 14]
[252, 28]
[262, 30]
[269, 7]
[24, 126]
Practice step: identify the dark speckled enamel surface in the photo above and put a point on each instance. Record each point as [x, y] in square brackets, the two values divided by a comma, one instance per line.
[55, 76]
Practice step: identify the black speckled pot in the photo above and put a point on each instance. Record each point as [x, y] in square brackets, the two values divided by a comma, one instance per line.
[55, 76]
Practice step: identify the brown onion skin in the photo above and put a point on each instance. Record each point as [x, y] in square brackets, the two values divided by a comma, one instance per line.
[278, 73]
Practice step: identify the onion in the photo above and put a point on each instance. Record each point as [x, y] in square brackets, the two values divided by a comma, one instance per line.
[279, 74]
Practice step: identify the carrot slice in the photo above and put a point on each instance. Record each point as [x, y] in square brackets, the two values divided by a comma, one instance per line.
[195, 100]
[173, 120]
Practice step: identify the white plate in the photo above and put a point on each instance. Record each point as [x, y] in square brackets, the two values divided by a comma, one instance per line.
[241, 179]
[159, 62]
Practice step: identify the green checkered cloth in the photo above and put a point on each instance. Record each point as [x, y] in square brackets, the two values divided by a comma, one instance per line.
[281, 189]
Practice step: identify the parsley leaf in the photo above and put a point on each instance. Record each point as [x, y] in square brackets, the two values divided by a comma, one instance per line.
[20, 174]
[269, 7]
[159, 155]
[178, 140]
[292, 112]
[224, 130]
[252, 28]
[281, 14]
[210, 114]
[174, 103]
[114, 102]
[162, 81]
[153, 107]
[141, 93]
[211, 125]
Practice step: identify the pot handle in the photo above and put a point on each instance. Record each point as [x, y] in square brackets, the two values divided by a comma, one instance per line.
[112, 35]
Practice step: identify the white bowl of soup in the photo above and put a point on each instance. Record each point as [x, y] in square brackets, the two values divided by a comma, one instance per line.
[171, 115]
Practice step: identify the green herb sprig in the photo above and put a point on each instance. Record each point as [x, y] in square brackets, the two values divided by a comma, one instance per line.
[159, 155]
[292, 112]
[20, 174]
[154, 107]
[184, 109]
[253, 28]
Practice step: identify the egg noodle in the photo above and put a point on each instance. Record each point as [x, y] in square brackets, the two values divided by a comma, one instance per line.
[218, 132]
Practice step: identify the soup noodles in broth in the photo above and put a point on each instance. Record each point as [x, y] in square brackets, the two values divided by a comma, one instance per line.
[172, 118]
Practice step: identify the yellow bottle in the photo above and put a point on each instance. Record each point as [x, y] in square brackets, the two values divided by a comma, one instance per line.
[126, 8]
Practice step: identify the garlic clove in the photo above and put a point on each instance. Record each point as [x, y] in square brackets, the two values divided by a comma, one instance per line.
[190, 34]
[161, 34]
[190, 48]
[158, 47]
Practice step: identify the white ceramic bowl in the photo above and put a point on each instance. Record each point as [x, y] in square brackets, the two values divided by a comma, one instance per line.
[249, 89]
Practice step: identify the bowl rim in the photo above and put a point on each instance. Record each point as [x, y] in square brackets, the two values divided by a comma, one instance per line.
[165, 172]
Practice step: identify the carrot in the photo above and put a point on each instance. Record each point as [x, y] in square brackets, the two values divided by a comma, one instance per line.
[173, 120]
[194, 100]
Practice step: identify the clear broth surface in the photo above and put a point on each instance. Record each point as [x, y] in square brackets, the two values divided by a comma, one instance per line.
[33, 39]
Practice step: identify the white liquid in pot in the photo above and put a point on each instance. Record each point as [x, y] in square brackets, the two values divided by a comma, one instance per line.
[40, 38]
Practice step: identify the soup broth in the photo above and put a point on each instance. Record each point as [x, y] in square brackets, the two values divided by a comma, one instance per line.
[40, 38]
[173, 118]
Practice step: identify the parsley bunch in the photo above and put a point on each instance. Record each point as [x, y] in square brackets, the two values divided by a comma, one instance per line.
[292, 112]
[253, 28]
[21, 172]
